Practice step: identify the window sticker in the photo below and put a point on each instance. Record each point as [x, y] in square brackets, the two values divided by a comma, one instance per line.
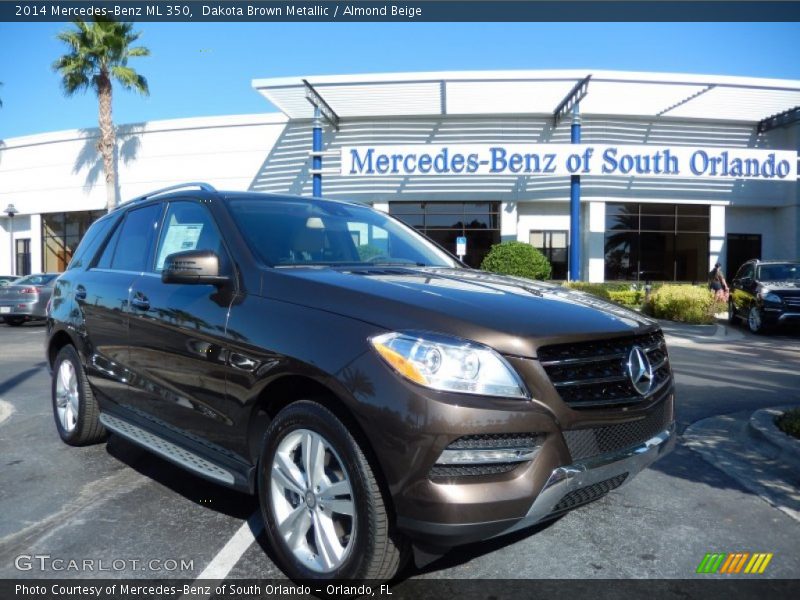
[179, 238]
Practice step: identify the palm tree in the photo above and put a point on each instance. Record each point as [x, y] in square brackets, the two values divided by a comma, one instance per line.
[98, 54]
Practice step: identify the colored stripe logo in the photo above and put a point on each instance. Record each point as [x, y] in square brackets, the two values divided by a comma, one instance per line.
[735, 563]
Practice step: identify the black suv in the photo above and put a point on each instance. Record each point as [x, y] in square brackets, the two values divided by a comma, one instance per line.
[375, 393]
[765, 293]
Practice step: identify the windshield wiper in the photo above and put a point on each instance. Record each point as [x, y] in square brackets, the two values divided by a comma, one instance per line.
[390, 263]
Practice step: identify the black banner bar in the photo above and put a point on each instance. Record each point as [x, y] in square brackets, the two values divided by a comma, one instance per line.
[408, 11]
[704, 587]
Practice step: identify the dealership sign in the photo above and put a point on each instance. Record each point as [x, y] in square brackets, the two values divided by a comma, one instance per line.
[569, 159]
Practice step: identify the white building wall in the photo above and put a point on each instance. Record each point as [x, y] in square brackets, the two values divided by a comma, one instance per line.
[716, 237]
[63, 171]
[762, 221]
[544, 216]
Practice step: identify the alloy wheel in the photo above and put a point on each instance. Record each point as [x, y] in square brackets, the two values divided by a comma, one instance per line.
[754, 319]
[67, 396]
[312, 501]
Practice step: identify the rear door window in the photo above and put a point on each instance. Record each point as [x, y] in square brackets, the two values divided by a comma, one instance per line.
[136, 238]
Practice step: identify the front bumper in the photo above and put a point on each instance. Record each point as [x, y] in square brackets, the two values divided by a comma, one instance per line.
[567, 487]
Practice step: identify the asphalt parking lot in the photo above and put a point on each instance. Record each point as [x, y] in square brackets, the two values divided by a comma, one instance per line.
[116, 502]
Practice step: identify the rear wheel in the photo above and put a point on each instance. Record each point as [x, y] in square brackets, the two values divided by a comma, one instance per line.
[15, 321]
[325, 514]
[75, 408]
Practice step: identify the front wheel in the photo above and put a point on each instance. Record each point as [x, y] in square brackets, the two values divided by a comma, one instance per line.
[325, 514]
[755, 321]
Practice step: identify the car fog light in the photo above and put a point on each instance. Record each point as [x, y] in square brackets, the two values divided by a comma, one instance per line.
[486, 456]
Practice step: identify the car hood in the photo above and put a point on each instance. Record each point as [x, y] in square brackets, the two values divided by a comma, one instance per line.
[513, 315]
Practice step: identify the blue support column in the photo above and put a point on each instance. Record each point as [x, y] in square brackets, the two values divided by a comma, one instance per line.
[316, 160]
[575, 205]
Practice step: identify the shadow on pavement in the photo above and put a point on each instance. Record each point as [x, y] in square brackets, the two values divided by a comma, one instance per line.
[192, 487]
[12, 382]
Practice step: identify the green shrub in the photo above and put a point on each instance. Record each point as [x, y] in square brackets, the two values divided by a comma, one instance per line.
[628, 298]
[789, 422]
[517, 258]
[599, 290]
[684, 303]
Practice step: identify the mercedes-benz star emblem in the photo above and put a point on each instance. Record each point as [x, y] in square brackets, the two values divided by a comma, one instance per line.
[640, 370]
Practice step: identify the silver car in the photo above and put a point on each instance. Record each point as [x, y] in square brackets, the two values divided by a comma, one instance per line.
[26, 299]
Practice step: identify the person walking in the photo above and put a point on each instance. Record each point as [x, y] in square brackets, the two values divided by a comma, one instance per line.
[717, 283]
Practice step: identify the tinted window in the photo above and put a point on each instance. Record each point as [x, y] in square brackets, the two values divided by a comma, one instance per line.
[91, 243]
[136, 239]
[293, 232]
[188, 226]
[745, 271]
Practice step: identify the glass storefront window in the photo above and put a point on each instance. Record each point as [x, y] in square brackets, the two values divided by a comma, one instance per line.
[443, 222]
[656, 242]
[61, 234]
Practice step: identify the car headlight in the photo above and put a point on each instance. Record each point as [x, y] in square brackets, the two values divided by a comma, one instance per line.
[770, 297]
[449, 364]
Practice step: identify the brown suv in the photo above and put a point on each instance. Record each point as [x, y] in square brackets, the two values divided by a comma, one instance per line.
[372, 391]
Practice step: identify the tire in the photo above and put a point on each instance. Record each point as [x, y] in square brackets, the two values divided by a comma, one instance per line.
[755, 321]
[361, 546]
[69, 387]
[15, 321]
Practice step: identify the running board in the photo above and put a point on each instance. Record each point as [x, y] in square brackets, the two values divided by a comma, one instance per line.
[168, 450]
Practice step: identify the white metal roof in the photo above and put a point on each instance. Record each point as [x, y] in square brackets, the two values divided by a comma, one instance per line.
[689, 96]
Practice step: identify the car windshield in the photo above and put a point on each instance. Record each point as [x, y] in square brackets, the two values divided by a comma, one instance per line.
[35, 280]
[779, 272]
[291, 232]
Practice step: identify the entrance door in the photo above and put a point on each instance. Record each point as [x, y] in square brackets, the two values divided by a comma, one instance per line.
[23, 257]
[553, 244]
[741, 248]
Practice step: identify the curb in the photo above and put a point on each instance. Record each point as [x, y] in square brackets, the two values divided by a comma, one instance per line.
[762, 425]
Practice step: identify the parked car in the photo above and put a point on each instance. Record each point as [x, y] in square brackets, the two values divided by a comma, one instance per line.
[26, 298]
[765, 293]
[6, 279]
[372, 391]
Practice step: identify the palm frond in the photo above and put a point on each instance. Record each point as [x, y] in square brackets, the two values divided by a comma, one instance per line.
[99, 50]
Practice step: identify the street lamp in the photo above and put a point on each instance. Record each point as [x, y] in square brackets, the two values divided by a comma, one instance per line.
[11, 211]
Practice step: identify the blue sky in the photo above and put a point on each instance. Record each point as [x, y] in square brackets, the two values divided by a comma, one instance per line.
[205, 68]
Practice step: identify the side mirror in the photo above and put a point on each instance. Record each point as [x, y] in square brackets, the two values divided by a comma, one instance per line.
[193, 266]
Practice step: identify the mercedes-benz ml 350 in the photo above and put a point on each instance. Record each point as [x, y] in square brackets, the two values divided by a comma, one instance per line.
[378, 396]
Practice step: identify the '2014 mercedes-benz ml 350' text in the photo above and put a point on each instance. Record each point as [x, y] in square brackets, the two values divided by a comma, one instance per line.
[375, 394]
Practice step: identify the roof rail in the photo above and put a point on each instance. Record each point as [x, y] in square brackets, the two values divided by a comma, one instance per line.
[192, 184]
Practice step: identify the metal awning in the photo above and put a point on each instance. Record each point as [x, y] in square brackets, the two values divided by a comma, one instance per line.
[653, 95]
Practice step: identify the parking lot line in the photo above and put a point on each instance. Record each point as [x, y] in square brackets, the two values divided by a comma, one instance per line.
[226, 559]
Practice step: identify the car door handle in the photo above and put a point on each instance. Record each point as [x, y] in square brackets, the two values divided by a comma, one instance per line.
[80, 293]
[141, 303]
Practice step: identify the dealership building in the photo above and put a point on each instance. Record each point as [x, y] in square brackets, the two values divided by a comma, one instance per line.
[632, 176]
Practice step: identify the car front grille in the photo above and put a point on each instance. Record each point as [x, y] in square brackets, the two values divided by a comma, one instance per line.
[792, 301]
[590, 493]
[593, 374]
[446, 472]
[585, 443]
